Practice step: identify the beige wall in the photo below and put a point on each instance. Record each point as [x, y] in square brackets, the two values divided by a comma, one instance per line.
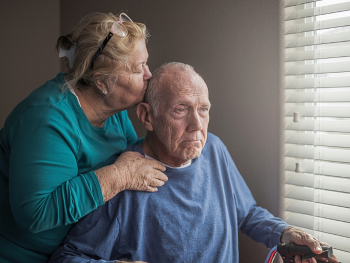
[234, 45]
[29, 30]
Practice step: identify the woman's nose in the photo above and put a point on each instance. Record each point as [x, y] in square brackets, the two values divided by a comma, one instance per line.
[148, 73]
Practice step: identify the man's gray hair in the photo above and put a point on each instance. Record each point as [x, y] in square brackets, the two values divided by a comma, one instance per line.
[154, 92]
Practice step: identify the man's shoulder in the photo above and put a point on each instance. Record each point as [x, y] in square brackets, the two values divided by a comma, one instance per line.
[214, 148]
[135, 148]
[214, 141]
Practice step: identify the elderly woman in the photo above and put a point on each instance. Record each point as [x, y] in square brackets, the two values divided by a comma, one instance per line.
[58, 147]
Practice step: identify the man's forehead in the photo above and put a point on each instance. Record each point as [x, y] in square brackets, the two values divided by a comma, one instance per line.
[182, 87]
[187, 94]
[185, 82]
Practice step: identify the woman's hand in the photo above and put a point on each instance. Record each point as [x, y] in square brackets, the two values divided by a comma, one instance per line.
[140, 174]
[131, 171]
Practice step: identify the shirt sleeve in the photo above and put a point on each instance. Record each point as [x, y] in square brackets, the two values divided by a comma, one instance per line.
[46, 190]
[256, 222]
[92, 239]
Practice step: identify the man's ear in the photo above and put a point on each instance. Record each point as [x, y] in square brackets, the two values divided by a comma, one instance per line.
[145, 116]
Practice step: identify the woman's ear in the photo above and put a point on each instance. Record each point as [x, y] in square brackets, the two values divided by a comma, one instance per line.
[145, 116]
[100, 84]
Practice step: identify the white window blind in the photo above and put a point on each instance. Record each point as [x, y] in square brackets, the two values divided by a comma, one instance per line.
[317, 120]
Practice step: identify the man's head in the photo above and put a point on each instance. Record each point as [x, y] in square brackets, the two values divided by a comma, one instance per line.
[176, 113]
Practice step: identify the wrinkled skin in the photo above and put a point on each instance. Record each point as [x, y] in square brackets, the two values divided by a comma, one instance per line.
[149, 175]
[300, 237]
[131, 171]
[178, 132]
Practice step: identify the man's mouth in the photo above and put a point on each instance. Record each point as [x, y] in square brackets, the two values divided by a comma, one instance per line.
[192, 141]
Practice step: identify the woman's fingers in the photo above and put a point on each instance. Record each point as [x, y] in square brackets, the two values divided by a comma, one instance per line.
[160, 176]
[157, 165]
[156, 183]
[139, 173]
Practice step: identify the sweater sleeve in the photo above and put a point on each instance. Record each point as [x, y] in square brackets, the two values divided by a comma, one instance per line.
[92, 239]
[129, 130]
[46, 190]
[256, 222]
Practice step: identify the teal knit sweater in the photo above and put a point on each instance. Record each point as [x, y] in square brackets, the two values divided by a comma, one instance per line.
[48, 153]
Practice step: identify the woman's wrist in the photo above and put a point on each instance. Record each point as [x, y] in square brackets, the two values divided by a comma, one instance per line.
[111, 181]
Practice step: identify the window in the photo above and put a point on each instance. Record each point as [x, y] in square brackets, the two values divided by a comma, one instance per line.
[317, 120]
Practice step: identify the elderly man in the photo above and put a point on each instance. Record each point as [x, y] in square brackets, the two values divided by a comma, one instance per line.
[196, 215]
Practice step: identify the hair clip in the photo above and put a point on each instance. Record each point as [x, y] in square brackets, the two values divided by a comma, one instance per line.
[69, 54]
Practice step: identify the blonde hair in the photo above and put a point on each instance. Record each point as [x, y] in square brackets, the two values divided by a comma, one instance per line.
[88, 36]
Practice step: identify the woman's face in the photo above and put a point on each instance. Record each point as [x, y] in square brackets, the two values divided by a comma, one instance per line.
[131, 83]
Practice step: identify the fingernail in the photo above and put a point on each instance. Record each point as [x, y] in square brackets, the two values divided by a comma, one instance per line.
[318, 248]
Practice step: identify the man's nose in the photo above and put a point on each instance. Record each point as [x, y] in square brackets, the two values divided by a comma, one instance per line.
[195, 122]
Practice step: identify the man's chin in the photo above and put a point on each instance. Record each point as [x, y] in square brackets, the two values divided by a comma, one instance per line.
[192, 153]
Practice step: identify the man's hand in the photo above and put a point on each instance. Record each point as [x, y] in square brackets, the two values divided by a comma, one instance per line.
[300, 237]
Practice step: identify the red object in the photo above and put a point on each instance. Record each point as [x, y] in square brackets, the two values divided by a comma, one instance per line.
[272, 256]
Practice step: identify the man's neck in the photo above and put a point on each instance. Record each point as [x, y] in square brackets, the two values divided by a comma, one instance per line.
[154, 148]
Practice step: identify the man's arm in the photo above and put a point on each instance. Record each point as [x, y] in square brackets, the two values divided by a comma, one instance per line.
[256, 222]
[69, 254]
[92, 239]
[260, 225]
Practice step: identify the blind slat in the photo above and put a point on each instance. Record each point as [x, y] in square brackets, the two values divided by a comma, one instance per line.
[319, 181]
[319, 96]
[318, 153]
[332, 82]
[318, 167]
[321, 224]
[317, 11]
[318, 68]
[318, 196]
[318, 54]
[318, 125]
[319, 139]
[320, 111]
[318, 25]
[297, 2]
[317, 39]
[316, 209]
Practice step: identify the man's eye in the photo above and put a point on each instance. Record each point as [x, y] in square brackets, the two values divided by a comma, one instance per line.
[180, 110]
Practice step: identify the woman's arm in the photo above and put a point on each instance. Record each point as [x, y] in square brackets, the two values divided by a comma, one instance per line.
[45, 187]
[46, 190]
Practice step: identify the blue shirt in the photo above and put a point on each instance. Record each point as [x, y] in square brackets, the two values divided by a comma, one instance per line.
[194, 217]
[48, 153]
